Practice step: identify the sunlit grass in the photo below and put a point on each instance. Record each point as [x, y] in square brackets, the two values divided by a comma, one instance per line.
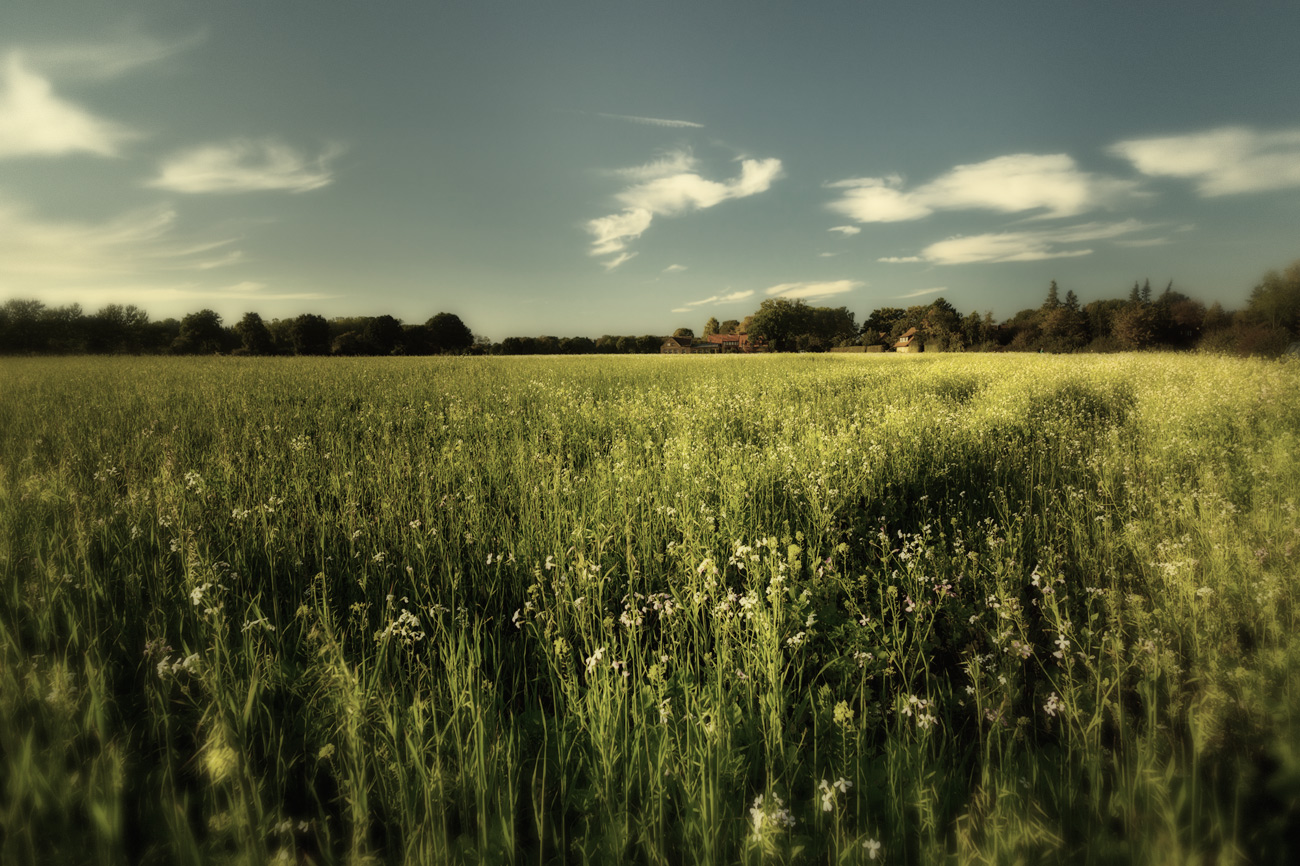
[835, 609]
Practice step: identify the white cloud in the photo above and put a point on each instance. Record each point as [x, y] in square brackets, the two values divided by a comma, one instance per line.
[900, 259]
[1027, 246]
[718, 299]
[1226, 161]
[672, 162]
[667, 192]
[674, 269]
[847, 231]
[922, 292]
[618, 260]
[1051, 183]
[34, 121]
[654, 121]
[813, 290]
[245, 165]
[681, 310]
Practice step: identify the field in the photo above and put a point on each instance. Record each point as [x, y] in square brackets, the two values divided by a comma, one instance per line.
[656, 610]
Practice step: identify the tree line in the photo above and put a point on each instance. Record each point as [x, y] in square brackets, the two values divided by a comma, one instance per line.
[1143, 319]
[30, 327]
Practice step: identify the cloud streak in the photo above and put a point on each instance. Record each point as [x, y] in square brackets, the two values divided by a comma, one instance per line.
[245, 165]
[1226, 161]
[1050, 183]
[1025, 246]
[812, 290]
[667, 187]
[653, 121]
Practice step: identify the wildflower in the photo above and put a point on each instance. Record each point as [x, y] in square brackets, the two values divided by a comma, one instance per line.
[843, 714]
[1053, 705]
[594, 659]
[872, 848]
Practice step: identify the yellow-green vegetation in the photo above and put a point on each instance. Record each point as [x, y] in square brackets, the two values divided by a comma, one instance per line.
[655, 610]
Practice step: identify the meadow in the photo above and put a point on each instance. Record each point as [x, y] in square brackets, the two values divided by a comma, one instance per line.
[820, 609]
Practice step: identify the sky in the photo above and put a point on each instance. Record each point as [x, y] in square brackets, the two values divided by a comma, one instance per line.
[588, 168]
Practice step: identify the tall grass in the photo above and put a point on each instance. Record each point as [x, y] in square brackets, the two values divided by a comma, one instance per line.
[663, 610]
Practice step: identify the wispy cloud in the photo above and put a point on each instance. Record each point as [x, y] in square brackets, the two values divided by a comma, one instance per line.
[810, 291]
[894, 260]
[674, 269]
[922, 293]
[1026, 246]
[34, 121]
[106, 59]
[1050, 183]
[667, 187]
[847, 231]
[653, 121]
[245, 165]
[1226, 161]
[618, 260]
[730, 298]
[135, 256]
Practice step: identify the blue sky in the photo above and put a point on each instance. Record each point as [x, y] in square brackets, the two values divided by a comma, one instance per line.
[615, 167]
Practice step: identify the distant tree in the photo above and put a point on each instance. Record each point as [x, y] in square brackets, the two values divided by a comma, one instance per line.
[1135, 296]
[201, 333]
[626, 345]
[415, 341]
[711, 327]
[972, 330]
[880, 325]
[577, 346]
[1052, 301]
[1216, 319]
[1275, 301]
[518, 346]
[23, 328]
[350, 343]
[1145, 294]
[254, 336]
[310, 335]
[448, 334]
[684, 332]
[729, 326]
[65, 329]
[117, 328]
[779, 321]
[647, 344]
[1135, 326]
[382, 334]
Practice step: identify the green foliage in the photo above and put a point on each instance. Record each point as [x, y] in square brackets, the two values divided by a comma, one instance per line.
[448, 335]
[310, 335]
[1275, 302]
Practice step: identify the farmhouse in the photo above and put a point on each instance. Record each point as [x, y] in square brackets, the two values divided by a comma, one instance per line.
[711, 345]
[908, 342]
